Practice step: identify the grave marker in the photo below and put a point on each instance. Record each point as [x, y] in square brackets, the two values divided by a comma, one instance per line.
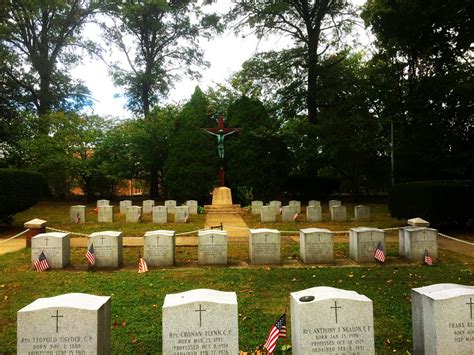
[56, 248]
[148, 206]
[106, 214]
[123, 206]
[193, 206]
[212, 247]
[361, 213]
[77, 214]
[181, 214]
[171, 204]
[276, 205]
[107, 247]
[288, 213]
[314, 213]
[159, 247]
[316, 245]
[160, 214]
[338, 213]
[314, 203]
[134, 214]
[268, 214]
[419, 239]
[297, 204]
[333, 203]
[264, 246]
[257, 207]
[103, 203]
[363, 241]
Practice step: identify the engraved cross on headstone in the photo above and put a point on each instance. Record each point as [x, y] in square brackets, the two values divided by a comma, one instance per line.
[57, 316]
[335, 309]
[102, 238]
[212, 238]
[265, 238]
[157, 241]
[470, 303]
[46, 240]
[200, 310]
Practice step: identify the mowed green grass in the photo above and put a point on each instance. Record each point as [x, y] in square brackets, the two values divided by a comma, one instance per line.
[262, 292]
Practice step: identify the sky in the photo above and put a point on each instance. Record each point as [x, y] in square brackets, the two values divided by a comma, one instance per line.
[226, 53]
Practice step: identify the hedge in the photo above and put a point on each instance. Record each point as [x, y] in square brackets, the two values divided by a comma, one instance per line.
[439, 202]
[19, 190]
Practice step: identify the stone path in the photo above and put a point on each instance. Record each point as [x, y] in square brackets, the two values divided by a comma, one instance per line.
[233, 223]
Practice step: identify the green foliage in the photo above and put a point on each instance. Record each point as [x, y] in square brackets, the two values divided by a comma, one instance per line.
[317, 187]
[439, 202]
[19, 190]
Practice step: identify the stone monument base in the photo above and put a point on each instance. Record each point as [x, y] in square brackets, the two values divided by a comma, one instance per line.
[222, 201]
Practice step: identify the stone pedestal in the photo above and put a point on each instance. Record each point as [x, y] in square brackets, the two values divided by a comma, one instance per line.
[35, 226]
[221, 196]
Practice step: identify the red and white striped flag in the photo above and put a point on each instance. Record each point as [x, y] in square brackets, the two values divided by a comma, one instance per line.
[142, 266]
[428, 258]
[41, 263]
[379, 254]
[78, 218]
[90, 255]
[186, 216]
[278, 330]
[295, 217]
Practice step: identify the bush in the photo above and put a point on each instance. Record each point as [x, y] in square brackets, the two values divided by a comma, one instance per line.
[439, 202]
[19, 190]
[315, 187]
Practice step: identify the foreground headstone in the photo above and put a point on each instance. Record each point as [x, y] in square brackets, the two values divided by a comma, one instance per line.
[181, 214]
[56, 247]
[314, 203]
[418, 241]
[316, 246]
[257, 207]
[297, 204]
[418, 222]
[200, 321]
[148, 206]
[264, 246]
[73, 323]
[327, 320]
[363, 241]
[123, 206]
[267, 214]
[289, 213]
[107, 248]
[103, 203]
[193, 206]
[361, 213]
[338, 213]
[77, 214]
[212, 247]
[333, 203]
[159, 247]
[134, 214]
[160, 214]
[171, 204]
[106, 214]
[443, 319]
[314, 213]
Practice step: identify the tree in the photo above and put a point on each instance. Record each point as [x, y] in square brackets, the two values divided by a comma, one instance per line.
[38, 37]
[157, 37]
[315, 27]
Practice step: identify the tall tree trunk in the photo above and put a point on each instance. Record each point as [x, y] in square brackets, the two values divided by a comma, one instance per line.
[154, 183]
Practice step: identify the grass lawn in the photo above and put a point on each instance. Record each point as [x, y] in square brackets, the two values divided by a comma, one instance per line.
[262, 292]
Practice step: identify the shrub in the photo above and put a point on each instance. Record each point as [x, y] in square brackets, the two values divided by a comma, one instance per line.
[19, 190]
[315, 187]
[439, 202]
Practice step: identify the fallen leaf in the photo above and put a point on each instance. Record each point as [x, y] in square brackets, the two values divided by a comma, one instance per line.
[134, 341]
[116, 324]
[124, 324]
[6, 298]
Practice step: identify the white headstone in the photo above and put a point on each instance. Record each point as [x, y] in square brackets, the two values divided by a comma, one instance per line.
[297, 204]
[160, 214]
[73, 323]
[123, 206]
[334, 203]
[316, 246]
[418, 241]
[171, 204]
[103, 203]
[327, 320]
[314, 213]
[257, 207]
[314, 203]
[77, 214]
[264, 246]
[134, 214]
[401, 240]
[267, 214]
[106, 214]
[148, 206]
[159, 247]
[181, 214]
[363, 241]
[361, 213]
[289, 213]
[107, 248]
[338, 213]
[212, 247]
[276, 205]
[200, 321]
[193, 206]
[56, 248]
[443, 319]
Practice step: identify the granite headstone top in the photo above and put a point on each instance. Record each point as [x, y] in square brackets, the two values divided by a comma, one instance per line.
[327, 320]
[107, 248]
[171, 204]
[316, 245]
[55, 246]
[193, 206]
[314, 203]
[148, 206]
[297, 204]
[123, 206]
[159, 247]
[73, 323]
[106, 214]
[160, 214]
[314, 213]
[267, 214]
[77, 214]
[212, 247]
[257, 207]
[333, 203]
[338, 213]
[134, 214]
[363, 241]
[103, 203]
[264, 246]
[443, 319]
[200, 321]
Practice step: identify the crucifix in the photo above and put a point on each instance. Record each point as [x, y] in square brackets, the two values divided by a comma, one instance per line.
[221, 132]
[200, 314]
[335, 309]
[470, 303]
[57, 316]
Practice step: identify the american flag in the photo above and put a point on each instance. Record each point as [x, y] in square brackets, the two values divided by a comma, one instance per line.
[278, 330]
[379, 254]
[186, 216]
[41, 263]
[295, 217]
[142, 266]
[90, 255]
[78, 218]
[428, 258]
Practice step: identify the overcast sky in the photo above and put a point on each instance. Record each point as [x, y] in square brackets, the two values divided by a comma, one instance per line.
[225, 53]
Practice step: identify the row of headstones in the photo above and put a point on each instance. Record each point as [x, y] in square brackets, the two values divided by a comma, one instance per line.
[338, 212]
[324, 320]
[134, 214]
[316, 246]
